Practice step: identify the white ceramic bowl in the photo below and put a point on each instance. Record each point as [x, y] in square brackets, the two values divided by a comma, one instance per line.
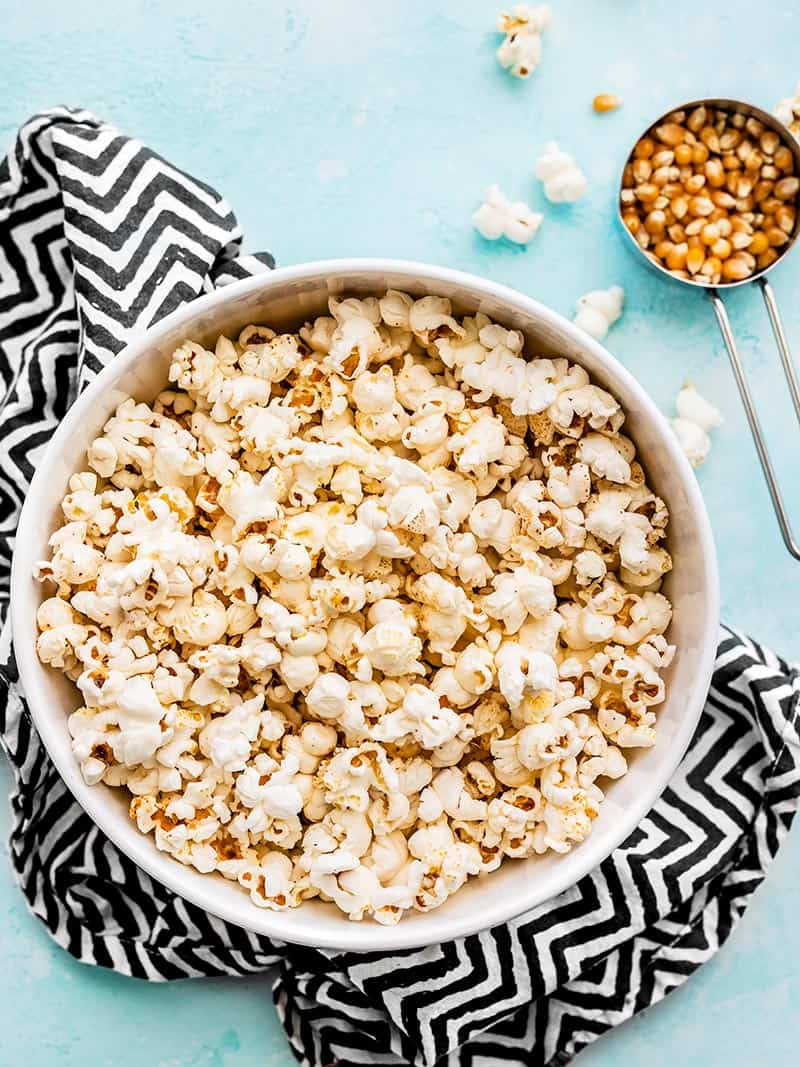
[284, 298]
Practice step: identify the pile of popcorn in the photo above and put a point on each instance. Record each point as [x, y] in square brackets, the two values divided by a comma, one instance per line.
[357, 613]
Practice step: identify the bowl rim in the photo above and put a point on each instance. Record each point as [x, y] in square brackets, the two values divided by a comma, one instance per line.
[140, 848]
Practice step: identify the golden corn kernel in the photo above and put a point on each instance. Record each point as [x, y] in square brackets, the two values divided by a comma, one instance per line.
[663, 249]
[632, 221]
[670, 134]
[661, 175]
[709, 233]
[655, 223]
[785, 218]
[741, 240]
[676, 257]
[712, 266]
[743, 150]
[758, 243]
[697, 119]
[783, 158]
[724, 226]
[766, 259]
[754, 126]
[663, 158]
[770, 205]
[769, 171]
[642, 238]
[699, 154]
[642, 169]
[735, 269]
[700, 205]
[672, 190]
[721, 248]
[646, 192]
[729, 140]
[714, 172]
[737, 120]
[761, 190]
[768, 142]
[787, 188]
[710, 138]
[776, 237]
[694, 227]
[683, 154]
[644, 148]
[695, 258]
[695, 183]
[719, 198]
[744, 187]
[731, 161]
[606, 102]
[676, 233]
[754, 162]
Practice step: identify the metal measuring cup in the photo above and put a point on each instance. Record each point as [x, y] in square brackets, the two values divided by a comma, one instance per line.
[759, 276]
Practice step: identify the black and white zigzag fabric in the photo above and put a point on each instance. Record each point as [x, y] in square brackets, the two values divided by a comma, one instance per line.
[100, 237]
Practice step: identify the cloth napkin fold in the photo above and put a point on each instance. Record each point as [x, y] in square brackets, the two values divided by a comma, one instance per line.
[99, 238]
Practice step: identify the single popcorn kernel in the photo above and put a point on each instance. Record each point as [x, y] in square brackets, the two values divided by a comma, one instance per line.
[363, 611]
[606, 102]
[713, 180]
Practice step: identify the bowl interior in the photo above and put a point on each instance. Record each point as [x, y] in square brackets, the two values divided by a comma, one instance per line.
[283, 299]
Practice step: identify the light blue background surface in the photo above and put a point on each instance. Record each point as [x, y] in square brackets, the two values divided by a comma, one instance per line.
[339, 127]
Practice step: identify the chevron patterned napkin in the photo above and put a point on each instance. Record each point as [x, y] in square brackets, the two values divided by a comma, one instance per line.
[100, 237]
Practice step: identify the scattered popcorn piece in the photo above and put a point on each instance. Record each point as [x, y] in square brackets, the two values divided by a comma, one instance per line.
[360, 612]
[598, 310]
[696, 416]
[498, 217]
[788, 111]
[521, 50]
[564, 182]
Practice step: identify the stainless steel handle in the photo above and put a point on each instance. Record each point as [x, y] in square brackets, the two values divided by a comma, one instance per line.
[749, 406]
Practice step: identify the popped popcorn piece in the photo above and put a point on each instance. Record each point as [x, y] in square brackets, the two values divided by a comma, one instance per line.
[521, 50]
[788, 111]
[598, 310]
[564, 182]
[696, 416]
[498, 217]
[361, 611]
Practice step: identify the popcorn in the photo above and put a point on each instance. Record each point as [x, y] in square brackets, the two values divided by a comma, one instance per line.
[696, 416]
[498, 217]
[788, 112]
[598, 310]
[521, 50]
[361, 611]
[563, 180]
[421, 716]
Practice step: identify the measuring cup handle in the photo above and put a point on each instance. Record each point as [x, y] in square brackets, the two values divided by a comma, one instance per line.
[749, 406]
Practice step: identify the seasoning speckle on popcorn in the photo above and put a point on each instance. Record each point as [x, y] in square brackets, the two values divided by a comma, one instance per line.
[360, 612]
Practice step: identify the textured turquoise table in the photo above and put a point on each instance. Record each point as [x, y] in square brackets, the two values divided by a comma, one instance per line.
[341, 127]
